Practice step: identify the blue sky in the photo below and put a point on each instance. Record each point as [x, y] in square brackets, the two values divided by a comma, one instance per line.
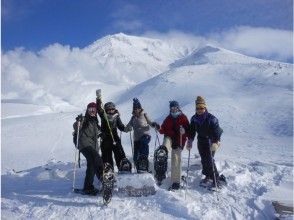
[34, 24]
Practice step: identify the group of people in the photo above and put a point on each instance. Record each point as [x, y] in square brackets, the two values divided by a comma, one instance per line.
[176, 128]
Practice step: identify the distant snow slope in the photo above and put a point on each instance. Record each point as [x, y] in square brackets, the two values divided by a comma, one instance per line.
[252, 98]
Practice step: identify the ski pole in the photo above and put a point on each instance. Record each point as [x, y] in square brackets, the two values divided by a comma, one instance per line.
[75, 165]
[108, 125]
[213, 170]
[187, 173]
[157, 137]
[98, 94]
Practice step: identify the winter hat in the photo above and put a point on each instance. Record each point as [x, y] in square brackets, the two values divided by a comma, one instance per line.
[136, 104]
[174, 104]
[200, 102]
[92, 105]
[109, 105]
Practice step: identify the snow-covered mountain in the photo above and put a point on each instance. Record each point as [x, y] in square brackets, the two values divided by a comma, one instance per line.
[252, 98]
[59, 75]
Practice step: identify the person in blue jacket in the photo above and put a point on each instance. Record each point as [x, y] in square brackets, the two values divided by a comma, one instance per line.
[208, 141]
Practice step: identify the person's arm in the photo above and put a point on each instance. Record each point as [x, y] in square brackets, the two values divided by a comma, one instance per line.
[129, 126]
[192, 129]
[120, 125]
[153, 124]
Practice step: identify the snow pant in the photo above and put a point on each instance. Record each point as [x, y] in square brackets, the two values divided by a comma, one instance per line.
[141, 147]
[94, 167]
[107, 147]
[207, 161]
[175, 159]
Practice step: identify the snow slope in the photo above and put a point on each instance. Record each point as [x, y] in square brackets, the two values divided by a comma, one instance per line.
[251, 97]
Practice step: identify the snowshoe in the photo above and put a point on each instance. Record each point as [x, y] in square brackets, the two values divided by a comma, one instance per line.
[107, 183]
[160, 163]
[222, 179]
[206, 182]
[92, 192]
[219, 184]
[142, 164]
[125, 166]
[214, 186]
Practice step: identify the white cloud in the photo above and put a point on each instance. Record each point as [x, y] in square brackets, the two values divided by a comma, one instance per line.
[257, 41]
[178, 39]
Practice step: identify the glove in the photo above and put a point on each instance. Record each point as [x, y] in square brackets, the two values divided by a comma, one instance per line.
[189, 144]
[79, 117]
[214, 146]
[128, 128]
[98, 93]
[155, 125]
[182, 130]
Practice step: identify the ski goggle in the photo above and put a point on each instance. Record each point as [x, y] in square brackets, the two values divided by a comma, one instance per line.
[200, 108]
[92, 110]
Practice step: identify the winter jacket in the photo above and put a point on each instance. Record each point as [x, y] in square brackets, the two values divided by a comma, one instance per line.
[140, 124]
[114, 123]
[171, 128]
[88, 133]
[207, 128]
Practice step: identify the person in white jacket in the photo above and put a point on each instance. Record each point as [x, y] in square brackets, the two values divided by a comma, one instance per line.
[140, 123]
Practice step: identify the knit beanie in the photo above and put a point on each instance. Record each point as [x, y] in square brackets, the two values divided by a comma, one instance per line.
[174, 104]
[136, 104]
[200, 102]
[91, 105]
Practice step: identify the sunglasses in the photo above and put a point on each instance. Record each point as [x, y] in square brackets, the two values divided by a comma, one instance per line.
[200, 108]
[91, 109]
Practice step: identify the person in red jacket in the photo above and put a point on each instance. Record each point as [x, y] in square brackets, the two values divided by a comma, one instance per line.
[175, 128]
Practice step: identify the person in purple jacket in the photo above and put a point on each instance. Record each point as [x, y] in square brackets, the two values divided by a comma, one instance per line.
[208, 141]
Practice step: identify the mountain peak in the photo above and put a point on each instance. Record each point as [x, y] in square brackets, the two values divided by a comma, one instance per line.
[213, 55]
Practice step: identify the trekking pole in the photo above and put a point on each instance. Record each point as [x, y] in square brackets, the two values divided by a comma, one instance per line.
[108, 125]
[157, 138]
[187, 173]
[213, 170]
[75, 164]
[98, 91]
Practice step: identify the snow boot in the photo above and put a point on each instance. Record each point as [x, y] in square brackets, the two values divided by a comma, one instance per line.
[160, 163]
[174, 186]
[142, 164]
[206, 182]
[125, 166]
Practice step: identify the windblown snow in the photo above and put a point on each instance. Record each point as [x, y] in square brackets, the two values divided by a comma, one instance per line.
[43, 92]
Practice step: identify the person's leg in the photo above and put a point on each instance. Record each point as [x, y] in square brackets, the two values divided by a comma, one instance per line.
[98, 163]
[106, 150]
[144, 146]
[207, 161]
[90, 172]
[176, 165]
[119, 153]
[136, 151]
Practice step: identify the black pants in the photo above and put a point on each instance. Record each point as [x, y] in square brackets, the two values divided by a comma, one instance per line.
[107, 147]
[141, 147]
[207, 161]
[94, 167]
